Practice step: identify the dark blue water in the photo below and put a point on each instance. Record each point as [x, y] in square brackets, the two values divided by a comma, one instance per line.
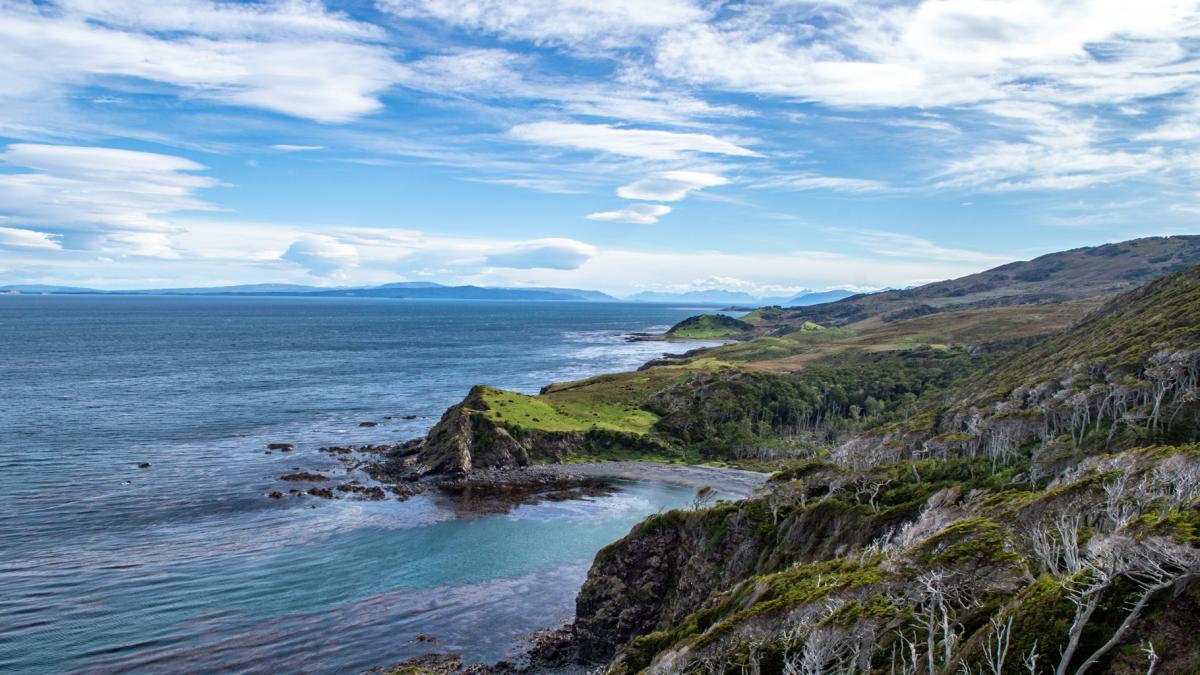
[187, 565]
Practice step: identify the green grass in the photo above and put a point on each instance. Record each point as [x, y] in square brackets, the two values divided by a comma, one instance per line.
[710, 327]
[538, 413]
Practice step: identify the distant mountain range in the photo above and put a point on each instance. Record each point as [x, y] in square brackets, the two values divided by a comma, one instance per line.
[431, 291]
[402, 290]
[717, 296]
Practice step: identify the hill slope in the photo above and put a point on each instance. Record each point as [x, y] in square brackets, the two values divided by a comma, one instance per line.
[986, 527]
[1057, 277]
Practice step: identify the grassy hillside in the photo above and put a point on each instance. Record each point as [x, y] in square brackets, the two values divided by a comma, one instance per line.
[781, 395]
[1038, 502]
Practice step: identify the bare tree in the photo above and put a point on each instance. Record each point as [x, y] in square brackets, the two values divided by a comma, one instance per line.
[1031, 659]
[941, 599]
[996, 650]
[1151, 657]
[704, 496]
[1154, 564]
[1056, 546]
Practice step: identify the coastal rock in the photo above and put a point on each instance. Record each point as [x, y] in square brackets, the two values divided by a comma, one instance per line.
[324, 493]
[286, 447]
[276, 495]
[304, 477]
[465, 440]
[373, 493]
[144, 465]
[368, 424]
[430, 664]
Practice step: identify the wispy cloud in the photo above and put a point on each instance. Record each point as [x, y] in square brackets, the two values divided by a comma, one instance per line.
[286, 147]
[897, 245]
[639, 214]
[321, 255]
[21, 238]
[812, 181]
[295, 58]
[670, 186]
[101, 198]
[644, 143]
[552, 254]
[574, 22]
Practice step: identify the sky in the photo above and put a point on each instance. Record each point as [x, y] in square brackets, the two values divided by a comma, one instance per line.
[766, 146]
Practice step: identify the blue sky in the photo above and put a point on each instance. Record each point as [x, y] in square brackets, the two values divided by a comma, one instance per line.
[765, 146]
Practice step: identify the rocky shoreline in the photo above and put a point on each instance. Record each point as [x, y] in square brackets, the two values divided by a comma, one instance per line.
[498, 490]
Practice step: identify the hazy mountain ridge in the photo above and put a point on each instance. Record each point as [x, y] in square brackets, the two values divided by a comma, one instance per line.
[399, 290]
[429, 290]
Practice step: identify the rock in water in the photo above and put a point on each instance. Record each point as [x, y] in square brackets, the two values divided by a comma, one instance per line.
[304, 477]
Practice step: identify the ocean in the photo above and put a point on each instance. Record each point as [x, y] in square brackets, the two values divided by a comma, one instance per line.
[188, 565]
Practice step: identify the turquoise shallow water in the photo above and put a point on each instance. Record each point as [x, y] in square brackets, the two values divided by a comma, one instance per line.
[187, 565]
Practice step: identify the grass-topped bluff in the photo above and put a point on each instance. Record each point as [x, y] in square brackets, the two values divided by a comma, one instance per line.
[710, 327]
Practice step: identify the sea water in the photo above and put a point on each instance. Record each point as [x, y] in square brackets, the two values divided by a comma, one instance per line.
[188, 565]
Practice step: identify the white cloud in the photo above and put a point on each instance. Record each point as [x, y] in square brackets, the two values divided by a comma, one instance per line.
[1054, 164]
[608, 23]
[639, 214]
[812, 181]
[101, 198]
[500, 78]
[939, 52]
[624, 271]
[287, 147]
[644, 143]
[294, 58]
[897, 245]
[1052, 147]
[554, 254]
[13, 236]
[1175, 130]
[670, 186]
[323, 256]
